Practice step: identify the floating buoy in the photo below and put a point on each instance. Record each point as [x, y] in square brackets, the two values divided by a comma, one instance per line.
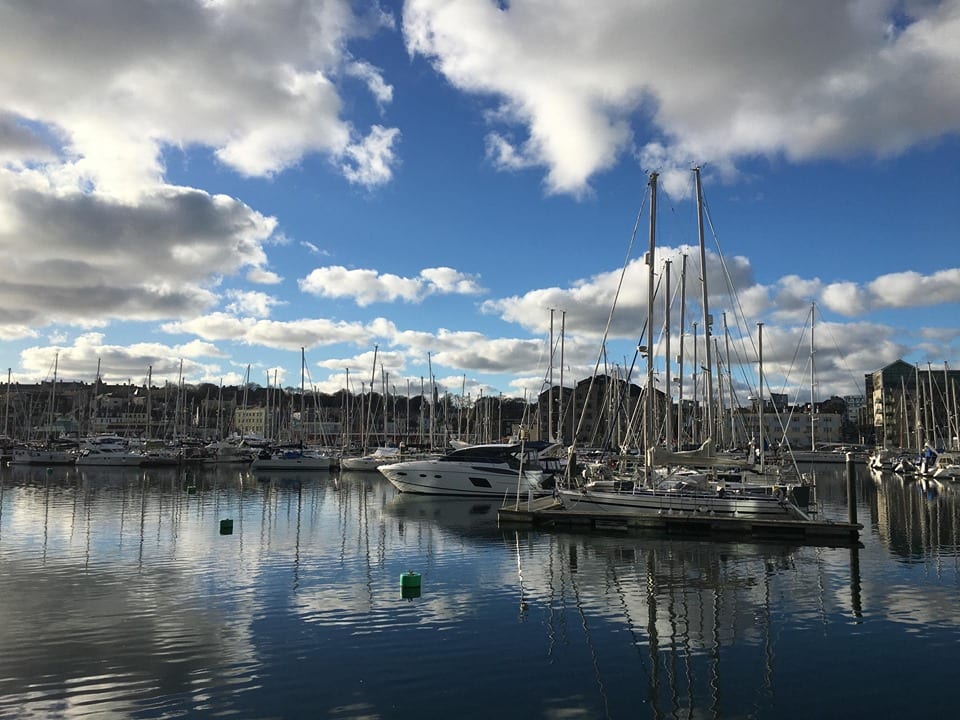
[410, 579]
[409, 593]
[191, 489]
[226, 527]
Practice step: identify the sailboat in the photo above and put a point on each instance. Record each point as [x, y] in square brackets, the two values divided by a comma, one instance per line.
[51, 453]
[293, 458]
[686, 480]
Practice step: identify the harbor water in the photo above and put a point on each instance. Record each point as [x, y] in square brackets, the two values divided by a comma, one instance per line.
[125, 594]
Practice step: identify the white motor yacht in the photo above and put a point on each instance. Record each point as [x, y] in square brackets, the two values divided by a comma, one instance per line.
[478, 470]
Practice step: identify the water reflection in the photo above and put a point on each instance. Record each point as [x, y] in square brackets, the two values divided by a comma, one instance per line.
[120, 597]
[689, 610]
[917, 518]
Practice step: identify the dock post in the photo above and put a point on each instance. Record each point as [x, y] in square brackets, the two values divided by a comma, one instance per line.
[851, 490]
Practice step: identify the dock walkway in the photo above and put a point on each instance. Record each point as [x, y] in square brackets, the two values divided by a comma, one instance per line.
[550, 512]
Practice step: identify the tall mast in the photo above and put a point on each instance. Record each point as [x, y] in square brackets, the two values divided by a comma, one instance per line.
[648, 439]
[53, 391]
[433, 395]
[916, 407]
[760, 371]
[550, 384]
[694, 428]
[563, 322]
[303, 405]
[668, 425]
[707, 320]
[813, 380]
[6, 406]
[149, 401]
[683, 329]
[720, 409]
[947, 405]
[726, 340]
[348, 401]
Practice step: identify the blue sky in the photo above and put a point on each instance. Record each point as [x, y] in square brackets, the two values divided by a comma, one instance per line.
[223, 182]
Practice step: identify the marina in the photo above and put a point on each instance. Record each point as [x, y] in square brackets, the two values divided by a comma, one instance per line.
[216, 591]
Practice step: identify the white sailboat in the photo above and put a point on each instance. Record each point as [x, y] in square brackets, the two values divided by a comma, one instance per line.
[687, 481]
[51, 453]
[293, 458]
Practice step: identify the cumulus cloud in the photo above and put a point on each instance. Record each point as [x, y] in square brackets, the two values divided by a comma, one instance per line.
[588, 301]
[283, 335]
[82, 258]
[256, 304]
[895, 290]
[119, 363]
[366, 287]
[120, 80]
[773, 78]
[93, 230]
[370, 161]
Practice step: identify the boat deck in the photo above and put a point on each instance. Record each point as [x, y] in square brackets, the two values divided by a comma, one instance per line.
[550, 512]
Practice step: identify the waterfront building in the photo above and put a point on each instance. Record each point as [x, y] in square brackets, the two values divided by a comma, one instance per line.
[909, 406]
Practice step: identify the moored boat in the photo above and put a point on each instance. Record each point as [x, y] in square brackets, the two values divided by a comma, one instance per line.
[494, 469]
[291, 459]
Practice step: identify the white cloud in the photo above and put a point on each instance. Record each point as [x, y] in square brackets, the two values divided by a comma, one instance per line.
[366, 287]
[379, 88]
[121, 79]
[588, 301]
[83, 258]
[284, 335]
[370, 161]
[760, 77]
[118, 363]
[256, 304]
[895, 290]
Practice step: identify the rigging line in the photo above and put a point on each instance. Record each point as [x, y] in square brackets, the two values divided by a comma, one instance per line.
[857, 382]
[739, 314]
[606, 330]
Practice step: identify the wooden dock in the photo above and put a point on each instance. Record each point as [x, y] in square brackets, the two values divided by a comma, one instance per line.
[550, 512]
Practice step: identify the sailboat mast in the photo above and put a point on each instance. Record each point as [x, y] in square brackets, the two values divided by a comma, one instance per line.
[683, 309]
[726, 340]
[563, 322]
[648, 439]
[53, 392]
[347, 401]
[916, 407]
[6, 405]
[707, 320]
[149, 401]
[947, 406]
[303, 404]
[760, 411]
[433, 395]
[668, 425]
[550, 384]
[813, 381]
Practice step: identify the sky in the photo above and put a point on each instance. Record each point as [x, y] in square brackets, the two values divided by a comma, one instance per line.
[213, 190]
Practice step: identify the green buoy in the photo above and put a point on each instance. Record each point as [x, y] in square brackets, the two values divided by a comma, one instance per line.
[410, 585]
[226, 527]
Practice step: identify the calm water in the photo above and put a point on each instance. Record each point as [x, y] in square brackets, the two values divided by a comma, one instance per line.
[120, 598]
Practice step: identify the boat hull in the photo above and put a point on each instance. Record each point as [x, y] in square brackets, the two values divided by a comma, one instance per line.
[111, 460]
[648, 501]
[43, 457]
[299, 463]
[438, 477]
